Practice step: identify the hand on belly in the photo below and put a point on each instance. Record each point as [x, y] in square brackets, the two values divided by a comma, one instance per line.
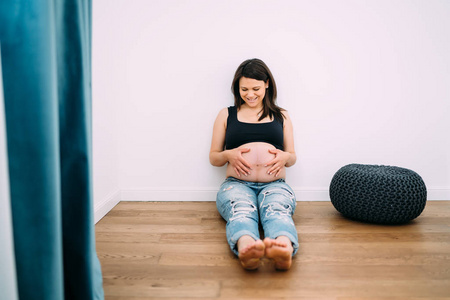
[259, 156]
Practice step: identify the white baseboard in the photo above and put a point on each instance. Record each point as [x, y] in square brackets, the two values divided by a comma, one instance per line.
[169, 194]
[209, 194]
[438, 193]
[102, 208]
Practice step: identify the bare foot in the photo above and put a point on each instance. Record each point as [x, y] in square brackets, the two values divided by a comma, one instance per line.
[250, 252]
[280, 250]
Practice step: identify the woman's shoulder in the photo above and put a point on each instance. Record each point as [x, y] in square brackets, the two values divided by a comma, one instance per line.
[286, 118]
[223, 114]
[285, 113]
[228, 110]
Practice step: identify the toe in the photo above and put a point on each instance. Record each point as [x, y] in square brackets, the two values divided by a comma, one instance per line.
[268, 242]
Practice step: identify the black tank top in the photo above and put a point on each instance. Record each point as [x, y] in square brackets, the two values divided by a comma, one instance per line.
[239, 133]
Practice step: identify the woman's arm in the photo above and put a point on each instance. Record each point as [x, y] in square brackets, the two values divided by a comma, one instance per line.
[286, 158]
[288, 132]
[219, 157]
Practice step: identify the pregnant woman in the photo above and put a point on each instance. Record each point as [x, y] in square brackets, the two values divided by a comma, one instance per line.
[255, 139]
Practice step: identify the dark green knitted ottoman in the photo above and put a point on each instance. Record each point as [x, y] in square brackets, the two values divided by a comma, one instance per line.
[378, 194]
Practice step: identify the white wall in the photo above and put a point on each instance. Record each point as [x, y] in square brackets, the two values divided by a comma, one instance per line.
[107, 94]
[364, 82]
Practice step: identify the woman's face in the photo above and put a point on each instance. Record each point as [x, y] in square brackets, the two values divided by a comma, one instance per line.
[252, 91]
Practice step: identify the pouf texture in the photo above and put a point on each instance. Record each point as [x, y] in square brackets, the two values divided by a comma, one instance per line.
[378, 194]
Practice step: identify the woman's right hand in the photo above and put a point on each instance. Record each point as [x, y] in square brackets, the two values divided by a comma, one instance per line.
[237, 161]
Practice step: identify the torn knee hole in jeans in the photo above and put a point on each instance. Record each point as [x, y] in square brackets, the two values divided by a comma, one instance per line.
[277, 208]
[284, 192]
[241, 208]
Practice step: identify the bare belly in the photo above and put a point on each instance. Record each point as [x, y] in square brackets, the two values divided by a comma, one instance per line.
[257, 157]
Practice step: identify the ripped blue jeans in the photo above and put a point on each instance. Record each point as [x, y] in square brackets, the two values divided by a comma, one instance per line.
[244, 204]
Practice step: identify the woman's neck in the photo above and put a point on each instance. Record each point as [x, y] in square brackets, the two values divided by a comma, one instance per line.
[256, 110]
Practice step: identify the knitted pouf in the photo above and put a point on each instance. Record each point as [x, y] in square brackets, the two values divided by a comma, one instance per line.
[378, 194]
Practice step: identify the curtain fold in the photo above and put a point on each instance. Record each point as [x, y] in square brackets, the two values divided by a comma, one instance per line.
[8, 284]
[46, 63]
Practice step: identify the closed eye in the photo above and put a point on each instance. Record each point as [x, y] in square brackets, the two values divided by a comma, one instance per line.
[255, 89]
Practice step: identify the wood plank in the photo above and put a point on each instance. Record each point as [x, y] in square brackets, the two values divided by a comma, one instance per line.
[114, 270]
[153, 219]
[165, 288]
[137, 249]
[355, 287]
[373, 254]
[369, 228]
[193, 238]
[126, 237]
[375, 237]
[158, 228]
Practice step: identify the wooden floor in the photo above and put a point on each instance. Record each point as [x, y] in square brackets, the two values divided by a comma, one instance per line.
[178, 250]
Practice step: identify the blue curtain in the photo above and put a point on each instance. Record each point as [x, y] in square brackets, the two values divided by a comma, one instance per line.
[46, 66]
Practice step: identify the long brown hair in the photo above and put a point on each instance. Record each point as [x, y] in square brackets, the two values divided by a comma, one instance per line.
[256, 69]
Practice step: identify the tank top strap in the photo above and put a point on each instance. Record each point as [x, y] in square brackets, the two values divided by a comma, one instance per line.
[232, 113]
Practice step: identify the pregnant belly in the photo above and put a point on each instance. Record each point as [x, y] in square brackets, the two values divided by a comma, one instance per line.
[258, 157]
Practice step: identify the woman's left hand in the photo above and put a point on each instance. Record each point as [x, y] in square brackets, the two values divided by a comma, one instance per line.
[278, 163]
